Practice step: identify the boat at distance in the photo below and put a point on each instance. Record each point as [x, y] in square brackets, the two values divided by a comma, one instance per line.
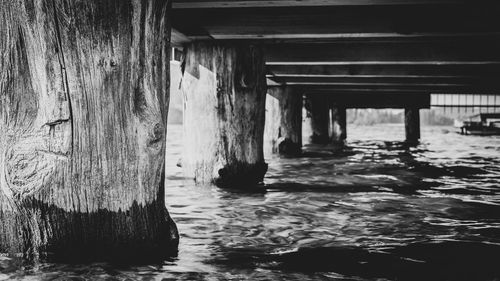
[480, 124]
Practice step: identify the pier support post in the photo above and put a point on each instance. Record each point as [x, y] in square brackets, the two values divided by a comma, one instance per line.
[224, 88]
[338, 125]
[84, 90]
[317, 117]
[286, 137]
[412, 125]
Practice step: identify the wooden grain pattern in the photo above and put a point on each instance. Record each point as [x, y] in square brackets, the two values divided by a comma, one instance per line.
[272, 125]
[287, 137]
[224, 88]
[84, 91]
[317, 117]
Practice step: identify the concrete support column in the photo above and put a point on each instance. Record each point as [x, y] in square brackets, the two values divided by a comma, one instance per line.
[338, 124]
[285, 135]
[317, 117]
[412, 125]
[224, 89]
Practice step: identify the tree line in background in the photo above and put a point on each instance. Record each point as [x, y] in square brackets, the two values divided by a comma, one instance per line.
[432, 117]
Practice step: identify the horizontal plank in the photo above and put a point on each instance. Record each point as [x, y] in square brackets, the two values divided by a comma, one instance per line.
[383, 85]
[393, 52]
[177, 38]
[196, 4]
[272, 83]
[467, 105]
[451, 89]
[381, 100]
[370, 70]
[297, 37]
[451, 63]
[356, 77]
[337, 22]
[393, 80]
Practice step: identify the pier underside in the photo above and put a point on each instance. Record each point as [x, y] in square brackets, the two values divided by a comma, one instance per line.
[84, 93]
[359, 54]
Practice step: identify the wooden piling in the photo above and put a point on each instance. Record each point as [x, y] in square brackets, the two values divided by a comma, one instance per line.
[412, 125]
[287, 136]
[316, 106]
[84, 90]
[224, 88]
[338, 125]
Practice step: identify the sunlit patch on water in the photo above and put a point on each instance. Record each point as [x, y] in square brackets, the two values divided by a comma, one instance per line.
[378, 209]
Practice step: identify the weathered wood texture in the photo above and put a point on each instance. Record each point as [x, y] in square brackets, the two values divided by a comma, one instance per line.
[412, 125]
[317, 116]
[84, 91]
[287, 137]
[272, 125]
[338, 124]
[224, 89]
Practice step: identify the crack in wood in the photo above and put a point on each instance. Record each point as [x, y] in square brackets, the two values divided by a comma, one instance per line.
[62, 64]
[53, 153]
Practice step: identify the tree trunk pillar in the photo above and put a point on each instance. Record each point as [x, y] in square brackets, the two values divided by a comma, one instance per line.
[224, 88]
[338, 125]
[287, 137]
[412, 125]
[84, 90]
[317, 108]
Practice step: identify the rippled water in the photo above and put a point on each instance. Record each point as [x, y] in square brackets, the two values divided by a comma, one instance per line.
[375, 210]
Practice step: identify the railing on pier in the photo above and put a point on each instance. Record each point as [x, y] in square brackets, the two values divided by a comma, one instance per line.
[465, 104]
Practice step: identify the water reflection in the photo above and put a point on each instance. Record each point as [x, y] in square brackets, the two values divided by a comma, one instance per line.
[377, 209]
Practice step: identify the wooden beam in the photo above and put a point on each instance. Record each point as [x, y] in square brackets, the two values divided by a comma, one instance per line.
[197, 4]
[437, 88]
[329, 76]
[386, 86]
[335, 93]
[339, 22]
[395, 52]
[384, 63]
[391, 80]
[271, 83]
[389, 70]
[381, 100]
[178, 38]
[332, 37]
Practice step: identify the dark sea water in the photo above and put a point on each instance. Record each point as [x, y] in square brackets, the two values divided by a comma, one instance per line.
[377, 210]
